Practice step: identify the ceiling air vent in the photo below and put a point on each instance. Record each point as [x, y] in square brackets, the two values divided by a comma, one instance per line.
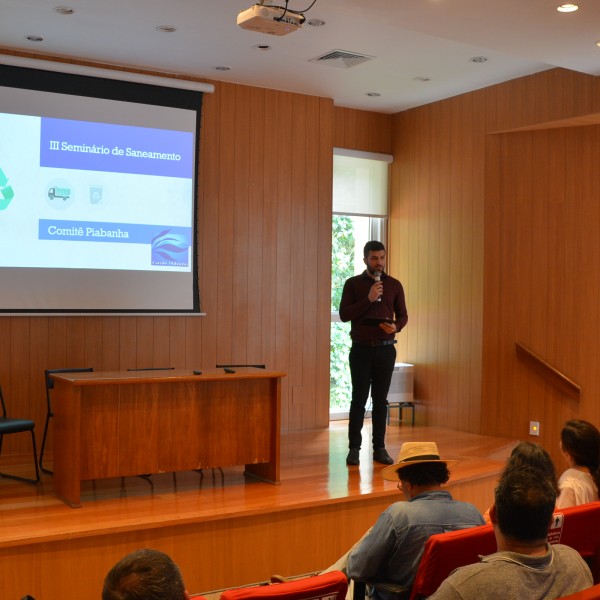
[341, 59]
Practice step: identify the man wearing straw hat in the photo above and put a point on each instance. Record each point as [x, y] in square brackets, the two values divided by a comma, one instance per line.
[391, 551]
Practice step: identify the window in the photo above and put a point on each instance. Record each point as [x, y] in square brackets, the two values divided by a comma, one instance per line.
[360, 211]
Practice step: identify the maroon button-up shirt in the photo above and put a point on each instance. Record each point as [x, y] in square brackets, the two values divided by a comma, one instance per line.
[355, 306]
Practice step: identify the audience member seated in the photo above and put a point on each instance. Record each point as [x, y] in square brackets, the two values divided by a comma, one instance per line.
[525, 566]
[144, 575]
[391, 550]
[533, 455]
[580, 445]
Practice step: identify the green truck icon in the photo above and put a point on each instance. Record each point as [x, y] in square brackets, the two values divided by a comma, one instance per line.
[59, 192]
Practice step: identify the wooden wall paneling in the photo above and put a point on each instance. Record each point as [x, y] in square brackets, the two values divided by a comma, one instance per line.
[34, 405]
[75, 330]
[440, 333]
[223, 252]
[432, 274]
[283, 275]
[362, 130]
[258, 261]
[418, 240]
[145, 342]
[201, 332]
[57, 343]
[127, 343]
[109, 361]
[160, 348]
[240, 217]
[589, 284]
[300, 282]
[471, 148]
[177, 343]
[268, 292]
[534, 324]
[17, 391]
[574, 282]
[556, 249]
[491, 299]
[457, 301]
[311, 233]
[92, 340]
[517, 170]
[477, 175]
[322, 267]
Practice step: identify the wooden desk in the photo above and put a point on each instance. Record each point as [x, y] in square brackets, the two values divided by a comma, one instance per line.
[118, 424]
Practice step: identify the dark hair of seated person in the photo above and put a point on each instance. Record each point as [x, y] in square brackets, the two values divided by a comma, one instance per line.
[425, 473]
[533, 455]
[144, 575]
[524, 504]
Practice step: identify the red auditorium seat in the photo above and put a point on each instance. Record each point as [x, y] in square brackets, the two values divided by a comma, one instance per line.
[328, 586]
[592, 593]
[445, 552]
[579, 527]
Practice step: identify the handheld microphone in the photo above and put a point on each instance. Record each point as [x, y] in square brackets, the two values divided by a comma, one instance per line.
[377, 277]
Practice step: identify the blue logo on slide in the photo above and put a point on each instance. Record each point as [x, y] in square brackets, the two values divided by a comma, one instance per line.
[170, 249]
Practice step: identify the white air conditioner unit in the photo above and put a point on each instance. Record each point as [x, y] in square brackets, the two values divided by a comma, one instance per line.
[401, 388]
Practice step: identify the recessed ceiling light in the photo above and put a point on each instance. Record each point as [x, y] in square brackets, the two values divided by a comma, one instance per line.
[166, 28]
[598, 43]
[479, 59]
[34, 38]
[63, 10]
[373, 94]
[567, 8]
[421, 78]
[315, 22]
[263, 47]
[222, 68]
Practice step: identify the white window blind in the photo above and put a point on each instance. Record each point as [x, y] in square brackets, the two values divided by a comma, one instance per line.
[360, 183]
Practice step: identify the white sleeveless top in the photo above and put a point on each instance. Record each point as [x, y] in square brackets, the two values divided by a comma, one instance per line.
[576, 487]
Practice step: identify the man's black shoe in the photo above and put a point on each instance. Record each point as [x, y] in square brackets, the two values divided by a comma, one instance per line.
[380, 455]
[353, 457]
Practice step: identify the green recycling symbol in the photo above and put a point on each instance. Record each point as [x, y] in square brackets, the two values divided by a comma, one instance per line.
[6, 191]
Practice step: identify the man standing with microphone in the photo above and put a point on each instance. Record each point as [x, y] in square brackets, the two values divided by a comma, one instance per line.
[374, 303]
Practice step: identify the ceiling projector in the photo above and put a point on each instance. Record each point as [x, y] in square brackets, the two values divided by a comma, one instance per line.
[274, 20]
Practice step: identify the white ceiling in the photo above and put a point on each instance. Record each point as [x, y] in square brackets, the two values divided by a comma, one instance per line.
[408, 39]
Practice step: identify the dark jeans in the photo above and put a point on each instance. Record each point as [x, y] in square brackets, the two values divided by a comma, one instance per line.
[371, 367]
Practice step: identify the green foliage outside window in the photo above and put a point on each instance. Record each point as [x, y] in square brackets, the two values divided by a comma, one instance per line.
[342, 267]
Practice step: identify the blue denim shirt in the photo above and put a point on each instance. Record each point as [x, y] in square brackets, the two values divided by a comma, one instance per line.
[392, 550]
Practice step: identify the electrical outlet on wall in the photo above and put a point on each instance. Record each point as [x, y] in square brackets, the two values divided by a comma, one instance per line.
[534, 428]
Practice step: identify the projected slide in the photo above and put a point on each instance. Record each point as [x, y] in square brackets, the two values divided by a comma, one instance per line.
[76, 194]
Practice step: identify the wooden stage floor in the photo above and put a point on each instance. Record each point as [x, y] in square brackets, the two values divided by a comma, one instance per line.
[221, 528]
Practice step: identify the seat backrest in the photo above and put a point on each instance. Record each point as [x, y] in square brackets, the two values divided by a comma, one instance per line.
[50, 381]
[327, 586]
[445, 552]
[592, 593]
[578, 527]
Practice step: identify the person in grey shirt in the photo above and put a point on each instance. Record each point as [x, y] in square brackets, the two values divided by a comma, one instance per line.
[391, 551]
[525, 566]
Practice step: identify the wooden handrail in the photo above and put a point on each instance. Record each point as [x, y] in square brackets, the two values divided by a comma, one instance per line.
[547, 371]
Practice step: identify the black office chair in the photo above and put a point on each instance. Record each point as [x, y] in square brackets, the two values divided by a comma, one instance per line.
[50, 411]
[10, 425]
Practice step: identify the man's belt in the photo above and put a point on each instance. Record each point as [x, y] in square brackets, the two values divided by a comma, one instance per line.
[375, 343]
